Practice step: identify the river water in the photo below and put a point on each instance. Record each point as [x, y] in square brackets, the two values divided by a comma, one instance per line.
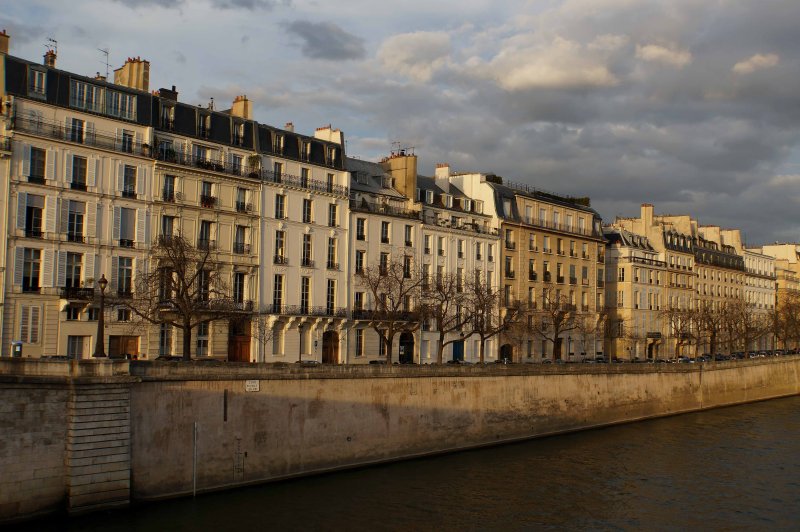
[728, 469]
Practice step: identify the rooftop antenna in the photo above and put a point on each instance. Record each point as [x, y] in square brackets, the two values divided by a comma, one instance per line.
[51, 45]
[105, 51]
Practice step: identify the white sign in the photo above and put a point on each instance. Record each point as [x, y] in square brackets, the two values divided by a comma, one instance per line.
[251, 386]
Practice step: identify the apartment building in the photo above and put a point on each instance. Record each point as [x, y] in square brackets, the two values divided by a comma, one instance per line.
[787, 267]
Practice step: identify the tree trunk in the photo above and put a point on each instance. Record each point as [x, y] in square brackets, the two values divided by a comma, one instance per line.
[389, 342]
[556, 349]
[482, 349]
[187, 341]
[440, 350]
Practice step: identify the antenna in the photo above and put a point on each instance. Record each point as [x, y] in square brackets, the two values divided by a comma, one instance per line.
[105, 51]
[51, 45]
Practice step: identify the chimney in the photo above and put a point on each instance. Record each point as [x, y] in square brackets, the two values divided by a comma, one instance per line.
[647, 214]
[4, 40]
[328, 134]
[99, 77]
[442, 171]
[50, 59]
[134, 74]
[289, 127]
[242, 108]
[168, 94]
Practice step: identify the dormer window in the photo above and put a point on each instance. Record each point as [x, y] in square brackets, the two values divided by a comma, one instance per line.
[388, 181]
[331, 155]
[447, 199]
[466, 204]
[305, 153]
[204, 126]
[238, 134]
[429, 197]
[479, 207]
[37, 83]
[277, 143]
[167, 116]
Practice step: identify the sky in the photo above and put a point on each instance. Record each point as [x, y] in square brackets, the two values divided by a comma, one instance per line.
[692, 105]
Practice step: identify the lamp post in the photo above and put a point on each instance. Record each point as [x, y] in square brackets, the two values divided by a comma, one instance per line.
[99, 346]
[569, 347]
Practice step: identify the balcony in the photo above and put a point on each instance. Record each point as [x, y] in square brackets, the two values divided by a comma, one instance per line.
[306, 262]
[333, 265]
[531, 276]
[241, 206]
[171, 196]
[280, 259]
[36, 179]
[384, 209]
[74, 237]
[573, 280]
[510, 274]
[547, 250]
[560, 252]
[76, 294]
[305, 310]
[409, 243]
[241, 248]
[441, 253]
[384, 240]
[206, 244]
[600, 283]
[511, 245]
[478, 256]
[207, 201]
[34, 233]
[229, 304]
[126, 243]
[124, 293]
[361, 236]
[547, 277]
[427, 251]
[75, 185]
[129, 193]
[29, 288]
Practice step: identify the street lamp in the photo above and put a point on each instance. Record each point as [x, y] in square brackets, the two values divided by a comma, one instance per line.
[99, 346]
[569, 347]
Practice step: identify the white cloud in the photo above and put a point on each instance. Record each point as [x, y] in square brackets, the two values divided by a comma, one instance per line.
[671, 56]
[608, 42]
[415, 55]
[757, 62]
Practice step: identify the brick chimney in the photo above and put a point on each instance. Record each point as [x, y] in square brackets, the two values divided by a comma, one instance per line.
[242, 108]
[647, 214]
[327, 133]
[50, 59]
[289, 127]
[4, 40]
[134, 74]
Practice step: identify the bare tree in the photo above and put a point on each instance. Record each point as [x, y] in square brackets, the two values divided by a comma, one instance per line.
[556, 317]
[444, 301]
[681, 325]
[394, 289]
[590, 325]
[785, 318]
[709, 323]
[489, 314]
[184, 289]
[747, 322]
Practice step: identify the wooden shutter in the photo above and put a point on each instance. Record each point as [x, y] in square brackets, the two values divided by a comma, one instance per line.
[22, 206]
[49, 259]
[68, 167]
[50, 213]
[88, 268]
[118, 139]
[142, 265]
[50, 167]
[141, 225]
[120, 177]
[91, 219]
[61, 272]
[116, 228]
[91, 171]
[112, 283]
[26, 160]
[141, 181]
[19, 265]
[89, 133]
[24, 329]
[63, 215]
[34, 326]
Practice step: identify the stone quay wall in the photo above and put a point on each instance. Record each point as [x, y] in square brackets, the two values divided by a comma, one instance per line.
[93, 434]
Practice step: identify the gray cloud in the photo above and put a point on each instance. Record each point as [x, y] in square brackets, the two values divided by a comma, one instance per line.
[221, 4]
[325, 40]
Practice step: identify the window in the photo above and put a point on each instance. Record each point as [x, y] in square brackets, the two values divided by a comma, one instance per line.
[359, 342]
[384, 263]
[75, 210]
[360, 229]
[167, 226]
[167, 116]
[238, 287]
[241, 200]
[92, 313]
[29, 324]
[460, 248]
[532, 242]
[165, 340]
[490, 252]
[329, 181]
[546, 244]
[280, 251]
[305, 294]
[427, 240]
[37, 85]
[169, 188]
[76, 130]
[332, 218]
[207, 198]
[239, 238]
[478, 255]
[124, 276]
[86, 96]
[121, 105]
[75, 347]
[204, 237]
[306, 254]
[621, 274]
[332, 264]
[34, 206]
[204, 125]
[277, 143]
[460, 280]
[509, 239]
[330, 299]
[202, 339]
[358, 301]
[126, 141]
[407, 266]
[280, 206]
[359, 261]
[277, 171]
[429, 197]
[204, 284]
[30, 269]
[78, 173]
[123, 314]
[37, 169]
[129, 182]
[508, 269]
[441, 246]
[381, 344]
[72, 278]
[236, 163]
[306, 211]
[384, 232]
[408, 231]
[73, 313]
[304, 177]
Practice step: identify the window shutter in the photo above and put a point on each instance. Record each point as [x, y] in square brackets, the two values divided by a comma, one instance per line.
[91, 171]
[88, 269]
[120, 177]
[115, 232]
[114, 274]
[22, 205]
[49, 258]
[118, 139]
[26, 160]
[141, 221]
[67, 127]
[61, 272]
[50, 167]
[19, 265]
[64, 215]
[89, 135]
[141, 181]
[141, 272]
[68, 168]
[91, 219]
[24, 328]
[137, 141]
[34, 328]
[51, 204]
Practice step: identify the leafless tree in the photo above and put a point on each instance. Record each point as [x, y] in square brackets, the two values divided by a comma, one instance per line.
[444, 300]
[394, 289]
[555, 317]
[489, 314]
[785, 318]
[747, 323]
[681, 325]
[184, 288]
[709, 323]
[590, 326]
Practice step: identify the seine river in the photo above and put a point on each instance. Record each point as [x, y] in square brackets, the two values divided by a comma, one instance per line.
[728, 469]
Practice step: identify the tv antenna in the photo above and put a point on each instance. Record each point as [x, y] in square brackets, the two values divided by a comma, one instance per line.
[105, 52]
[52, 45]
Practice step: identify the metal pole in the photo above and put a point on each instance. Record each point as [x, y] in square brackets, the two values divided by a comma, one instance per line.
[99, 347]
[194, 460]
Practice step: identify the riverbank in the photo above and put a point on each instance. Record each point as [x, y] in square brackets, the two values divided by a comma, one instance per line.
[91, 434]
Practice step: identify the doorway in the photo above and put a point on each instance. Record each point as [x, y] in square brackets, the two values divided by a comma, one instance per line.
[406, 348]
[330, 347]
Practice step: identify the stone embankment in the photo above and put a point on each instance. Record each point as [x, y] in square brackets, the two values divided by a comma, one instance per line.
[92, 434]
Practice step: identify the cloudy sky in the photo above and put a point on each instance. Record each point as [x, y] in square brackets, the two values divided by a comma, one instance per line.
[692, 105]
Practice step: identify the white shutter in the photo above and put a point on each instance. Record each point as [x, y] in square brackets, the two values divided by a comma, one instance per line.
[91, 219]
[50, 167]
[26, 160]
[22, 205]
[120, 177]
[19, 265]
[61, 272]
[89, 135]
[141, 225]
[141, 181]
[99, 233]
[48, 267]
[91, 171]
[24, 329]
[118, 140]
[115, 231]
[112, 283]
[68, 167]
[50, 212]
[34, 325]
[141, 271]
[64, 215]
[88, 269]
[67, 127]
[137, 141]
